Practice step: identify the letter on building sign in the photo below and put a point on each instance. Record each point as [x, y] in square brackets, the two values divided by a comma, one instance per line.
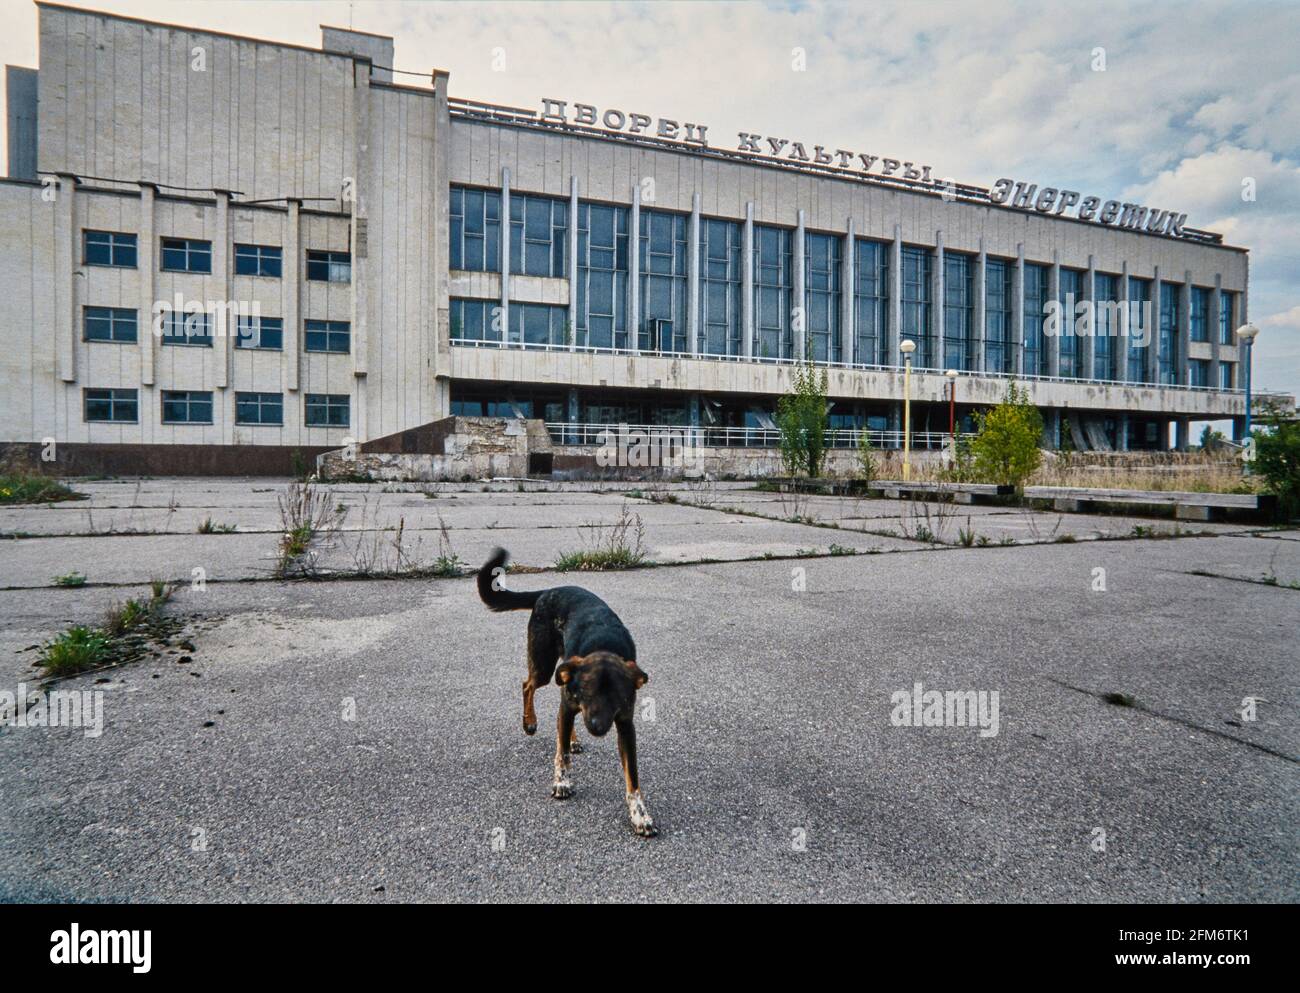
[586, 114]
[1001, 191]
[844, 157]
[667, 128]
[1046, 200]
[638, 123]
[696, 134]
[867, 161]
[797, 153]
[889, 166]
[1068, 199]
[553, 110]
[1175, 226]
[615, 120]
[1088, 209]
[776, 144]
[1156, 221]
[820, 155]
[749, 142]
[909, 172]
[1134, 216]
[1024, 195]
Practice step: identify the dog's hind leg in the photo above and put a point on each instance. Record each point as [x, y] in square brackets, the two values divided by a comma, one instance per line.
[562, 788]
[642, 823]
[575, 747]
[542, 656]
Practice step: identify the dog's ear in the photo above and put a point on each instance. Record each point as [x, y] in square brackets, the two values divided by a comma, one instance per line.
[639, 678]
[565, 672]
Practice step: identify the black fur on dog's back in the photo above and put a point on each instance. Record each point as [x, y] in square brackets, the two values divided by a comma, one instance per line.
[497, 597]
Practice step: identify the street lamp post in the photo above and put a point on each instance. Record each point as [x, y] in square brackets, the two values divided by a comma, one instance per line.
[907, 346]
[1247, 334]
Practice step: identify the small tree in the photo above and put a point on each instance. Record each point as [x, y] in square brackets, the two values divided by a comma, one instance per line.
[1277, 461]
[802, 419]
[1006, 448]
[866, 456]
[1211, 439]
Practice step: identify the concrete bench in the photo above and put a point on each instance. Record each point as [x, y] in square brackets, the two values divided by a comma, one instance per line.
[969, 493]
[1187, 506]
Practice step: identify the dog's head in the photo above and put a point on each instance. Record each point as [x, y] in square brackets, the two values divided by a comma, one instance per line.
[603, 686]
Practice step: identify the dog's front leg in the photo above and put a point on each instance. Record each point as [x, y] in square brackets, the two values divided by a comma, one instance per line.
[562, 788]
[642, 823]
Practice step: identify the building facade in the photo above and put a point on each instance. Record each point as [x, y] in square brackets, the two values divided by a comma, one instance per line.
[216, 241]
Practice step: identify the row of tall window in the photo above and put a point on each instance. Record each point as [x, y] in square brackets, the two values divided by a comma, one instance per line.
[119, 250]
[122, 406]
[538, 246]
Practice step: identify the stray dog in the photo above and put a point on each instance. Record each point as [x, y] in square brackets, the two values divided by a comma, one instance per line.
[599, 676]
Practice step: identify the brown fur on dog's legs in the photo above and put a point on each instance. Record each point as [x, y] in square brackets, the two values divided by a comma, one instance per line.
[574, 747]
[530, 715]
[642, 823]
[562, 788]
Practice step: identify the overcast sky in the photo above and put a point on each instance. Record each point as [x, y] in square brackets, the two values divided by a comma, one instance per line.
[1194, 98]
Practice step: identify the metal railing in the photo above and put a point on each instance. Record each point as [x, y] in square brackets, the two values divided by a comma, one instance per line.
[857, 366]
[684, 437]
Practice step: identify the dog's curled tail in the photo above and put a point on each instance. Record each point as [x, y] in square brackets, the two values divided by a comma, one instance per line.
[492, 593]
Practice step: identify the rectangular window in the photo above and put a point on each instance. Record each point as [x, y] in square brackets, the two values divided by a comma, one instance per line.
[539, 228]
[259, 408]
[918, 326]
[327, 410]
[471, 320]
[664, 282]
[186, 255]
[538, 323]
[111, 405]
[958, 316]
[871, 302]
[258, 260]
[1036, 296]
[721, 283]
[1198, 372]
[110, 324]
[1071, 344]
[822, 261]
[327, 336]
[109, 248]
[180, 328]
[475, 226]
[1168, 340]
[1139, 328]
[259, 332]
[999, 295]
[329, 267]
[186, 407]
[1199, 326]
[1105, 326]
[602, 276]
[1227, 375]
[773, 289]
[1227, 329]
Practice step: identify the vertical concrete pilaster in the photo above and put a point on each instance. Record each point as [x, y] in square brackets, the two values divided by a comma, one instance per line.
[147, 260]
[1212, 319]
[221, 329]
[1053, 344]
[747, 281]
[1122, 343]
[1153, 343]
[981, 313]
[504, 244]
[894, 356]
[1182, 368]
[573, 262]
[848, 337]
[799, 308]
[693, 282]
[936, 305]
[634, 272]
[1018, 312]
[293, 295]
[1089, 351]
[67, 258]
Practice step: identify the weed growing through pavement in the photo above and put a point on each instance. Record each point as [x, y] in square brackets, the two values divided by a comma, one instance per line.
[305, 512]
[620, 545]
[70, 579]
[127, 630]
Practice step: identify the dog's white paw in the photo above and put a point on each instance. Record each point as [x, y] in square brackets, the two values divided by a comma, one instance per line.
[562, 789]
[642, 823]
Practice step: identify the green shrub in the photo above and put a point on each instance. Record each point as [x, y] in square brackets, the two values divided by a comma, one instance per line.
[1006, 448]
[802, 420]
[20, 486]
[75, 650]
[1277, 462]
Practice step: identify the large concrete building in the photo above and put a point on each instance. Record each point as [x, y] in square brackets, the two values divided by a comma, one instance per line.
[222, 248]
